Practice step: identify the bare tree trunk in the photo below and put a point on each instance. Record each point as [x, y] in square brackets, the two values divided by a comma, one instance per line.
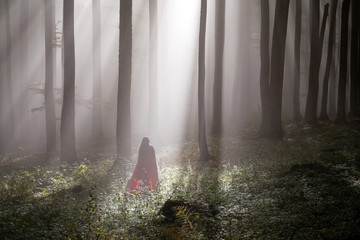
[67, 128]
[323, 112]
[265, 63]
[311, 101]
[277, 68]
[10, 115]
[123, 125]
[217, 127]
[317, 39]
[272, 126]
[354, 65]
[340, 115]
[322, 30]
[297, 115]
[204, 153]
[24, 73]
[49, 82]
[2, 91]
[97, 132]
[153, 68]
[240, 91]
[332, 85]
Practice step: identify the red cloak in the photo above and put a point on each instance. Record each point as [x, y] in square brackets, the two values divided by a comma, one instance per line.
[145, 172]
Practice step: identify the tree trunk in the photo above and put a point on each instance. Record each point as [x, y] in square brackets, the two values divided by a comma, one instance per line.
[333, 79]
[274, 128]
[340, 115]
[297, 115]
[67, 128]
[97, 132]
[323, 112]
[322, 30]
[10, 115]
[2, 91]
[24, 73]
[354, 65]
[49, 82]
[311, 101]
[265, 63]
[153, 68]
[123, 125]
[217, 127]
[240, 91]
[204, 153]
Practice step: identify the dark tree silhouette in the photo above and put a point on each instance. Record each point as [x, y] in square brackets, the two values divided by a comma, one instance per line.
[265, 63]
[97, 132]
[218, 73]
[277, 67]
[49, 82]
[67, 128]
[204, 153]
[272, 126]
[322, 29]
[315, 60]
[153, 65]
[123, 125]
[323, 112]
[333, 79]
[341, 115]
[354, 64]
[311, 101]
[296, 114]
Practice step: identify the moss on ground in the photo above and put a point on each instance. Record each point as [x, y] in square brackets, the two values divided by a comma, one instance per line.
[304, 186]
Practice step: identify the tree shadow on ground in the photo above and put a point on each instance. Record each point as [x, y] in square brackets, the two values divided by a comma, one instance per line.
[197, 190]
[324, 202]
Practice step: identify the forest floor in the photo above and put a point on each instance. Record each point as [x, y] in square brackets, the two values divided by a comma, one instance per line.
[304, 186]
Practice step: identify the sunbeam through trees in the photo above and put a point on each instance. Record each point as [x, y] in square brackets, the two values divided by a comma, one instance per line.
[179, 119]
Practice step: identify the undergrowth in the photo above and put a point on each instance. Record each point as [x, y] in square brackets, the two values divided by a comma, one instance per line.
[305, 186]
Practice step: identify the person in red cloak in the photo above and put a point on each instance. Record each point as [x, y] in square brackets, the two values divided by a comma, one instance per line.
[145, 172]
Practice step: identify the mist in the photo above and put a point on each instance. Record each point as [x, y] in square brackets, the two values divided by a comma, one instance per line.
[240, 103]
[177, 68]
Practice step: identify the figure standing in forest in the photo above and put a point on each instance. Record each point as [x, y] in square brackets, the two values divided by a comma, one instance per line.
[145, 172]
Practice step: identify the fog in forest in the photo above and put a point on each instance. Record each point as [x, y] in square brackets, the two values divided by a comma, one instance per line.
[179, 119]
[176, 100]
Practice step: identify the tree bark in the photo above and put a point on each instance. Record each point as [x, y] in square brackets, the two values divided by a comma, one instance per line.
[323, 112]
[153, 68]
[341, 115]
[296, 114]
[217, 127]
[204, 153]
[333, 79]
[123, 125]
[49, 82]
[265, 63]
[322, 30]
[67, 128]
[97, 132]
[354, 64]
[313, 86]
[272, 127]
[277, 68]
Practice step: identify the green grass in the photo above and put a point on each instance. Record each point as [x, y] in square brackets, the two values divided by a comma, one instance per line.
[305, 186]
